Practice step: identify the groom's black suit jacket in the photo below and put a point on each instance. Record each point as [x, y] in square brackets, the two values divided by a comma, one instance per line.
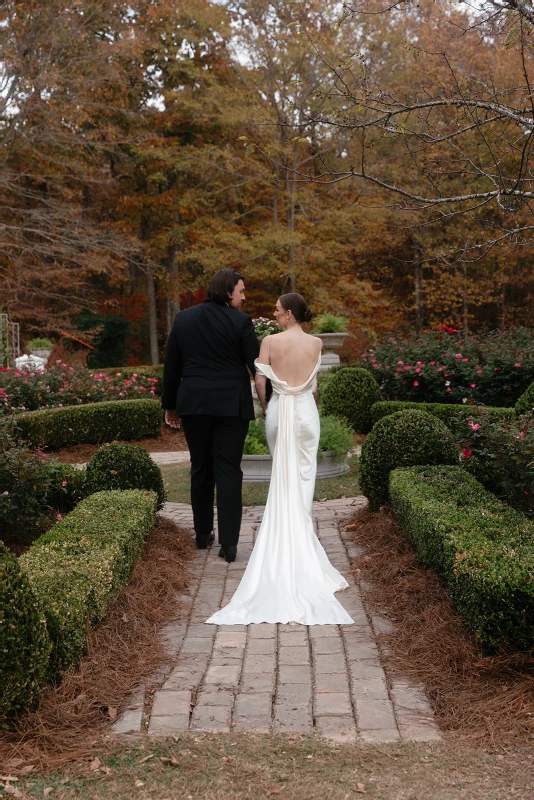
[208, 351]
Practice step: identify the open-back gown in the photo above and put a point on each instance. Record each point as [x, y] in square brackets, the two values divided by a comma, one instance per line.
[288, 577]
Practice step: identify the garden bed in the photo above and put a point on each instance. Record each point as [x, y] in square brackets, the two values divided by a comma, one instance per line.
[168, 441]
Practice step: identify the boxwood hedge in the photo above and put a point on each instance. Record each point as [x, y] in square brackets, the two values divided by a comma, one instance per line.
[124, 466]
[350, 393]
[403, 439]
[80, 565]
[483, 549]
[453, 415]
[24, 641]
[91, 423]
[526, 401]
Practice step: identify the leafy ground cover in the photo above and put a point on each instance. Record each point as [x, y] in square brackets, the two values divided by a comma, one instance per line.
[176, 479]
[211, 767]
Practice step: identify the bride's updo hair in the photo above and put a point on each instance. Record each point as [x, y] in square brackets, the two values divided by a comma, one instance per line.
[297, 305]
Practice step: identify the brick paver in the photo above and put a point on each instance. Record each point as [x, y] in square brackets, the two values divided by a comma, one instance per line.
[287, 678]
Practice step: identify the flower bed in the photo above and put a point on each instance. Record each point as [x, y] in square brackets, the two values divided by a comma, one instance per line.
[439, 367]
[483, 549]
[78, 568]
[60, 385]
[91, 423]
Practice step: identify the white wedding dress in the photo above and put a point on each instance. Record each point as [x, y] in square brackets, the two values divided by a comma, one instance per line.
[288, 577]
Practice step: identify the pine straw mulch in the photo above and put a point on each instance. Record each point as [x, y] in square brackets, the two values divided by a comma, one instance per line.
[72, 719]
[486, 699]
[169, 441]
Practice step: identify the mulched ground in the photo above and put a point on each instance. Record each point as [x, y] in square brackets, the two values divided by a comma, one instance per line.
[168, 441]
[485, 699]
[70, 720]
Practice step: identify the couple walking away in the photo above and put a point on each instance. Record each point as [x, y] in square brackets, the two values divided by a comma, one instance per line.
[206, 385]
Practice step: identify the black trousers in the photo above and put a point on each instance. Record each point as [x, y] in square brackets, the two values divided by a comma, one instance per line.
[216, 447]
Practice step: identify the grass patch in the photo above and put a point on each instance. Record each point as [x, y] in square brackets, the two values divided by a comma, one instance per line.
[211, 767]
[176, 481]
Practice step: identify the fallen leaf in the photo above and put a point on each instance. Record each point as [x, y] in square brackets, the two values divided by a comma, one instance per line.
[95, 764]
[48, 791]
[361, 788]
[105, 769]
[12, 790]
[138, 783]
[28, 768]
[146, 758]
[66, 779]
[274, 790]
[349, 527]
[8, 778]
[322, 499]
[172, 761]
[112, 712]
[15, 762]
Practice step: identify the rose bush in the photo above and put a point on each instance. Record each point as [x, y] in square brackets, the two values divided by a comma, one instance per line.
[442, 367]
[60, 385]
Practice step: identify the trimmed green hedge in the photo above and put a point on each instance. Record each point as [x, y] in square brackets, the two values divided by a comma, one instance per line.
[91, 423]
[350, 393]
[453, 415]
[24, 642]
[78, 568]
[123, 466]
[403, 439]
[525, 402]
[482, 548]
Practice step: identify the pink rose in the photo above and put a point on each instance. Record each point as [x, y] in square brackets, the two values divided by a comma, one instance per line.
[458, 355]
[64, 483]
[58, 516]
[517, 365]
[416, 383]
[472, 385]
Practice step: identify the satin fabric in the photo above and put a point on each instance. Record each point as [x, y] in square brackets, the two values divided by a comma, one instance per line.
[288, 577]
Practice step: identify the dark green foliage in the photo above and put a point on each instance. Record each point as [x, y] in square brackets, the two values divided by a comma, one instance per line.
[124, 466]
[526, 401]
[403, 439]
[351, 393]
[78, 568]
[256, 441]
[111, 345]
[483, 549]
[24, 642]
[91, 423]
[454, 416]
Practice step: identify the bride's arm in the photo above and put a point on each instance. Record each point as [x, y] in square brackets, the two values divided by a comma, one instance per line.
[260, 380]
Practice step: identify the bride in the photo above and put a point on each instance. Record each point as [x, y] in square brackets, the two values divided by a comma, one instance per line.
[288, 577]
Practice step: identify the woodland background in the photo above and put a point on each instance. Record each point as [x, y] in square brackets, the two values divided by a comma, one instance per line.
[147, 144]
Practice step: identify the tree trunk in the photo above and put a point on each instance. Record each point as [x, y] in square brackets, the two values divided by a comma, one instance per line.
[465, 315]
[289, 283]
[418, 296]
[173, 296]
[152, 317]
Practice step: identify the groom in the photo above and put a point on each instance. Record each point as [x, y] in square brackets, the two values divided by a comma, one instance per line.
[207, 386]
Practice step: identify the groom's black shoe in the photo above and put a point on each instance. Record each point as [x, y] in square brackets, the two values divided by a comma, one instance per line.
[228, 552]
[205, 541]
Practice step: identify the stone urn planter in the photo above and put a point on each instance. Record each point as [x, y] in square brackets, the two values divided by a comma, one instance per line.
[331, 342]
[41, 352]
[257, 469]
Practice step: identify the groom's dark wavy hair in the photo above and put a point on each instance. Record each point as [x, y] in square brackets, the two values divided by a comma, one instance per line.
[222, 285]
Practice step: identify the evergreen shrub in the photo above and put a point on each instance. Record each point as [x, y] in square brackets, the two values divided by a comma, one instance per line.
[403, 439]
[454, 416]
[350, 393]
[124, 466]
[482, 548]
[525, 404]
[24, 641]
[91, 423]
[79, 567]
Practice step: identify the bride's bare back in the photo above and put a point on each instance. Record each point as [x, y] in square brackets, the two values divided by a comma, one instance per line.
[292, 354]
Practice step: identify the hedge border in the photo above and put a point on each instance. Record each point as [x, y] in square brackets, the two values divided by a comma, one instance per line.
[79, 567]
[91, 423]
[449, 413]
[482, 548]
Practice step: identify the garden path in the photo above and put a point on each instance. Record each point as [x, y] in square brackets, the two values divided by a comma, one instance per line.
[285, 678]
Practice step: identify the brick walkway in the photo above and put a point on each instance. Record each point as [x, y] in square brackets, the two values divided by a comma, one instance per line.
[285, 678]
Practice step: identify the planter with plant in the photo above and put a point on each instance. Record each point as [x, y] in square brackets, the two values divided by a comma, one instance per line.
[332, 330]
[40, 347]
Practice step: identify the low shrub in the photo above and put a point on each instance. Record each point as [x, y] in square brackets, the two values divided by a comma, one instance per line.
[525, 404]
[256, 441]
[124, 466]
[483, 549]
[403, 439]
[500, 454]
[330, 323]
[24, 642]
[454, 416]
[336, 438]
[447, 367]
[350, 393]
[78, 568]
[92, 423]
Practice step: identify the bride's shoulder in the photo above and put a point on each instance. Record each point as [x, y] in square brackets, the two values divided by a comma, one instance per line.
[314, 339]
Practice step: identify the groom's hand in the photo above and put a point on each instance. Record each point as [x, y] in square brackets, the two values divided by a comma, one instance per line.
[172, 420]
